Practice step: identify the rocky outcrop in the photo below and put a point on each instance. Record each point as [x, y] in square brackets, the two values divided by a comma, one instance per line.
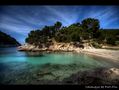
[88, 46]
[76, 47]
[26, 47]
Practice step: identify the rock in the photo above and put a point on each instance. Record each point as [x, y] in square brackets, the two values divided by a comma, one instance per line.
[44, 73]
[112, 72]
[98, 76]
[74, 47]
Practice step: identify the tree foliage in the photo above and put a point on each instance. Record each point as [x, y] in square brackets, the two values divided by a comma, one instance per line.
[89, 28]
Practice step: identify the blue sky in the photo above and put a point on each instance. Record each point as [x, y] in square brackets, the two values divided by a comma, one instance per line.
[18, 21]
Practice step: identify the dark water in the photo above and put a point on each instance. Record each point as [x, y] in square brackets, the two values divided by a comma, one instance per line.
[24, 67]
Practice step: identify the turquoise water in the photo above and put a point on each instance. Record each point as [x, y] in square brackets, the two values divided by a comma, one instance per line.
[22, 67]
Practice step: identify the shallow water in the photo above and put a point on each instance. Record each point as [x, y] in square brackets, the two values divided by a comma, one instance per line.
[23, 67]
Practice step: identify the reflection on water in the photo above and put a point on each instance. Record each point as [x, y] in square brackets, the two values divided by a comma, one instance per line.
[23, 67]
[34, 54]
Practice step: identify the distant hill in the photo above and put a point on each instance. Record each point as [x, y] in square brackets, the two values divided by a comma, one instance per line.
[110, 29]
[7, 41]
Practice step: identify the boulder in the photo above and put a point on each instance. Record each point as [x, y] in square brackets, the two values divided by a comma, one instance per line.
[112, 72]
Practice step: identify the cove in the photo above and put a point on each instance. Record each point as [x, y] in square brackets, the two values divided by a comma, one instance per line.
[30, 67]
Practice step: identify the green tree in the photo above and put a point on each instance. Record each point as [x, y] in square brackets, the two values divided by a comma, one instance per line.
[91, 26]
[88, 29]
[111, 40]
[57, 25]
[75, 37]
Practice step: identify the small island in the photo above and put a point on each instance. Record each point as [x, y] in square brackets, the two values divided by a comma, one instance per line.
[82, 37]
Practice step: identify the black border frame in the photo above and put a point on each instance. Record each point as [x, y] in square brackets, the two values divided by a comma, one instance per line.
[54, 2]
[59, 2]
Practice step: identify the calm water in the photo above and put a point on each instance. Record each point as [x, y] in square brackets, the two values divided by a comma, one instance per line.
[23, 67]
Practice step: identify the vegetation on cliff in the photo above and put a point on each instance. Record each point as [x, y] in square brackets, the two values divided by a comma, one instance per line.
[88, 29]
[7, 40]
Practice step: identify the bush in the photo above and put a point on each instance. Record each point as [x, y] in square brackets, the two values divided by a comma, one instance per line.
[117, 42]
[96, 45]
[111, 41]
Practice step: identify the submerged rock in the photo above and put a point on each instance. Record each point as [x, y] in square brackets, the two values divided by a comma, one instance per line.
[112, 73]
[100, 76]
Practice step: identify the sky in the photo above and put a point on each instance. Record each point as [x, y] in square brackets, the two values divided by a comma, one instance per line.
[18, 21]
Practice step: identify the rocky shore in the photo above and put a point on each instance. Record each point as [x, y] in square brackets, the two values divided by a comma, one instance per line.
[85, 48]
[96, 76]
[76, 47]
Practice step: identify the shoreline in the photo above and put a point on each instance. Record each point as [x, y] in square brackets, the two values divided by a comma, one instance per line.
[114, 61]
[101, 75]
[113, 55]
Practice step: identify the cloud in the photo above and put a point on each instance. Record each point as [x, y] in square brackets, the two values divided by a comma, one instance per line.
[65, 16]
[21, 20]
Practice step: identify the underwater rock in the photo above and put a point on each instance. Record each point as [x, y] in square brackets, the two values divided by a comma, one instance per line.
[100, 76]
[44, 73]
[112, 73]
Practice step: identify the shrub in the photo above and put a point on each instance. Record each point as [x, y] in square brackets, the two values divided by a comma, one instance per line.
[96, 45]
[117, 42]
[111, 41]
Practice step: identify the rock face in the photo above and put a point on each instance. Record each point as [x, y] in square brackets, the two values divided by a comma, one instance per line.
[53, 47]
[88, 46]
[7, 41]
[30, 47]
[76, 47]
